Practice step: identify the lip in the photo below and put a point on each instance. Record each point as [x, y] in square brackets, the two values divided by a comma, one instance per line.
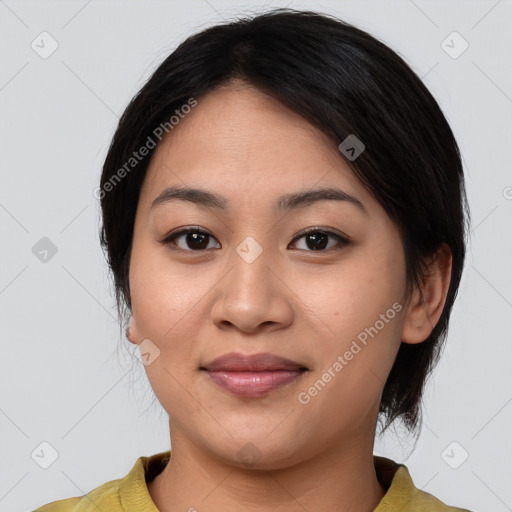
[263, 361]
[253, 375]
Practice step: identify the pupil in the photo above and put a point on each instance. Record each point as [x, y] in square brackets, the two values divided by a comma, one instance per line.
[193, 238]
[317, 244]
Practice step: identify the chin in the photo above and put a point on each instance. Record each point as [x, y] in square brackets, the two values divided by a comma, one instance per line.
[258, 450]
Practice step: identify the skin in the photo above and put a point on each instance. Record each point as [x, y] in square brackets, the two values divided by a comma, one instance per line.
[305, 305]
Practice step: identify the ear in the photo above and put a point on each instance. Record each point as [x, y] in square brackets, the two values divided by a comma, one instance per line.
[131, 332]
[423, 313]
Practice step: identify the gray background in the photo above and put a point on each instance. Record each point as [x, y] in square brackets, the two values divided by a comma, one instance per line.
[66, 375]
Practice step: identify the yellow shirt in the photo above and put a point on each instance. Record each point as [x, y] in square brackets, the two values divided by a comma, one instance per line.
[130, 494]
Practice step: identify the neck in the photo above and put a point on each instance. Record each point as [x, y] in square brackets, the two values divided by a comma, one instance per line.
[340, 478]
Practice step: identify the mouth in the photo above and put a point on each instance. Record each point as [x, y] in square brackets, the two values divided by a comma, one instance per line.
[252, 376]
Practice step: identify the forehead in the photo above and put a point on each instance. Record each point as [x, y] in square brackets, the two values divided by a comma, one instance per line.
[242, 142]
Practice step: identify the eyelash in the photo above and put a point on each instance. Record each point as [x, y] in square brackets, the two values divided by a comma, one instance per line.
[343, 241]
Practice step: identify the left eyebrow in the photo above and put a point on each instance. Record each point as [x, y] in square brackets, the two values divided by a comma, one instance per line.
[302, 199]
[286, 202]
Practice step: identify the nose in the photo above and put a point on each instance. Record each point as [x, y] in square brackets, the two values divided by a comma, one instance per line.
[253, 296]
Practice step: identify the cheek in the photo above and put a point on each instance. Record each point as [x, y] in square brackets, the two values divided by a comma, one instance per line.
[357, 292]
[354, 362]
[166, 304]
[166, 300]
[360, 305]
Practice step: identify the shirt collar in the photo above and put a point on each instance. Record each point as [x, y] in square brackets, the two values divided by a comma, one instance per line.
[135, 497]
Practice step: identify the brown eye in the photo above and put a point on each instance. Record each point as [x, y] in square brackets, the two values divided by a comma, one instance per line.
[318, 240]
[190, 239]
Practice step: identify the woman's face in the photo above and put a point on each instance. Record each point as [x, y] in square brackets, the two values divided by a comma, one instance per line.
[255, 283]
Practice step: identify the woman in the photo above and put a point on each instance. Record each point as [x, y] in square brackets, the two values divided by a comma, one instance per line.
[284, 214]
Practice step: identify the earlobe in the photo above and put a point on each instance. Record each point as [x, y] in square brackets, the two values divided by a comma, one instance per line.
[130, 335]
[425, 309]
